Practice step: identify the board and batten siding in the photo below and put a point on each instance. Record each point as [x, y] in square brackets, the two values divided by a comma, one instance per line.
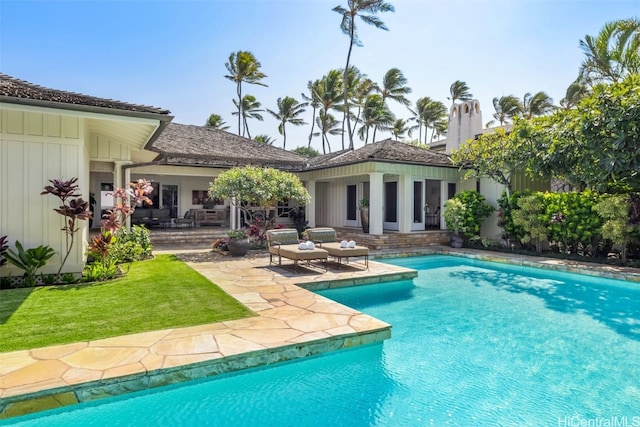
[330, 202]
[34, 148]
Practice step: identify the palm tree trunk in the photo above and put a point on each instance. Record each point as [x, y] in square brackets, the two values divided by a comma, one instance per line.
[313, 123]
[239, 91]
[284, 137]
[345, 89]
[375, 129]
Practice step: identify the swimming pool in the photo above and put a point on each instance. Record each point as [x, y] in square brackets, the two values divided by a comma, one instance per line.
[474, 343]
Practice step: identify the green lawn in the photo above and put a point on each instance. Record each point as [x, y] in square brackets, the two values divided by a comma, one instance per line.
[155, 294]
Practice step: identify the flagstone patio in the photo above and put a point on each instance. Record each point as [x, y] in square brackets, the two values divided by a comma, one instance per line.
[290, 322]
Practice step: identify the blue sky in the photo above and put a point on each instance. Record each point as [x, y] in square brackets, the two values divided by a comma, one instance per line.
[171, 54]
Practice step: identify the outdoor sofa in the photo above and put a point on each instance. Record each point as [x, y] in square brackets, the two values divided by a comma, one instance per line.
[284, 242]
[327, 239]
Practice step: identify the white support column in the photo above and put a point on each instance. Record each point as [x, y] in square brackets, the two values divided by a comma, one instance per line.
[309, 209]
[376, 214]
[405, 204]
[121, 180]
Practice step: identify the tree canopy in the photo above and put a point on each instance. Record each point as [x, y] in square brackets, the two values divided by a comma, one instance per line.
[252, 188]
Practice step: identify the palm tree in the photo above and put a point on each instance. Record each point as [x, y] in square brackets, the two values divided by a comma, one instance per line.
[394, 86]
[306, 151]
[358, 97]
[288, 111]
[327, 125]
[314, 102]
[215, 121]
[506, 107]
[399, 129]
[612, 54]
[375, 114]
[243, 67]
[537, 104]
[249, 109]
[354, 83]
[329, 94]
[575, 92]
[459, 90]
[264, 138]
[433, 113]
[418, 116]
[367, 11]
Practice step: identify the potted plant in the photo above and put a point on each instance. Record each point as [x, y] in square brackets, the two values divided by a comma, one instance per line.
[238, 242]
[454, 211]
[364, 214]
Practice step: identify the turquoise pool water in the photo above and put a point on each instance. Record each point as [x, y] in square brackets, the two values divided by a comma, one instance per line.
[474, 344]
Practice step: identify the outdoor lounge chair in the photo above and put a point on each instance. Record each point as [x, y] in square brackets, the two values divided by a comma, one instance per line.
[326, 238]
[284, 243]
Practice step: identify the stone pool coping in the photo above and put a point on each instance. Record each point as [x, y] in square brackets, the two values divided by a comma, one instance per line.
[291, 322]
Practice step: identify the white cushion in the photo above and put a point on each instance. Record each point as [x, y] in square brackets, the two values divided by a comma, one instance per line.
[351, 244]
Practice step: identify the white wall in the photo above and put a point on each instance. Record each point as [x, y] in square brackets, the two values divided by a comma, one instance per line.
[34, 148]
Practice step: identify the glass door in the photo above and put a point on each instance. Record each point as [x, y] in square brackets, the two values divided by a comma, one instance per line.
[418, 206]
[390, 205]
[352, 206]
[170, 198]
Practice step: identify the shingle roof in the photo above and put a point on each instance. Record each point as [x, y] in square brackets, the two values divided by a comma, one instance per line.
[204, 146]
[19, 90]
[383, 151]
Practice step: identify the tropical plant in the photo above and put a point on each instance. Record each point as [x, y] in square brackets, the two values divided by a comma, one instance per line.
[593, 145]
[454, 213]
[530, 216]
[3, 249]
[375, 114]
[30, 260]
[506, 107]
[459, 91]
[289, 110]
[243, 67]
[367, 10]
[613, 54]
[364, 202]
[399, 129]
[360, 88]
[250, 109]
[328, 125]
[575, 92]
[264, 138]
[237, 234]
[314, 102]
[132, 245]
[614, 210]
[306, 151]
[215, 121]
[475, 212]
[73, 209]
[493, 155]
[537, 104]
[394, 87]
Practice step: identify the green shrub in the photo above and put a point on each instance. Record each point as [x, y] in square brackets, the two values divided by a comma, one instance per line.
[573, 224]
[614, 210]
[530, 216]
[476, 211]
[134, 245]
[506, 206]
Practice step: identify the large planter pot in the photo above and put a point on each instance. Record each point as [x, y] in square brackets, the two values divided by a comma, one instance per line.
[456, 241]
[364, 219]
[238, 247]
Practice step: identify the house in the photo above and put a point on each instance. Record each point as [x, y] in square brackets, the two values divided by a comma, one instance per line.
[53, 134]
